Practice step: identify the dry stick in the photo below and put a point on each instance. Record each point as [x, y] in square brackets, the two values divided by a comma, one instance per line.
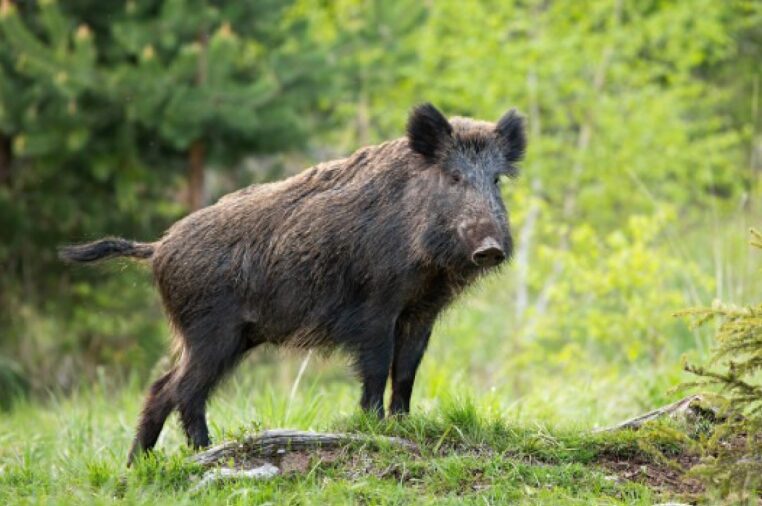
[681, 406]
[276, 442]
[295, 386]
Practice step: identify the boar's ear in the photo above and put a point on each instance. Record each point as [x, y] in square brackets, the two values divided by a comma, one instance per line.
[428, 131]
[513, 139]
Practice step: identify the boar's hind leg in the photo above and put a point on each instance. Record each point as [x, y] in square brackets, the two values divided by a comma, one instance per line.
[410, 343]
[212, 351]
[158, 405]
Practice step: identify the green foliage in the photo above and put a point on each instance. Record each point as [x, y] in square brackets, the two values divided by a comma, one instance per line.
[738, 350]
[101, 109]
[609, 87]
[732, 456]
[611, 303]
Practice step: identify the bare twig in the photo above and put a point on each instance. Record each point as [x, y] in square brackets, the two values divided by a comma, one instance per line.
[688, 405]
[295, 386]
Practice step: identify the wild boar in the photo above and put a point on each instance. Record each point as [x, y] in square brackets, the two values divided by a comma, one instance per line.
[359, 254]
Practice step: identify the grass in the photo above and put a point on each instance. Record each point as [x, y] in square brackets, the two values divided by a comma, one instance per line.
[72, 451]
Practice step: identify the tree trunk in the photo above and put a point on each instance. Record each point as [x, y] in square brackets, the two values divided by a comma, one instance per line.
[197, 151]
[196, 158]
[5, 160]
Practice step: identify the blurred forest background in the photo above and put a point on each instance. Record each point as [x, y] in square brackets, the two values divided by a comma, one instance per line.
[642, 177]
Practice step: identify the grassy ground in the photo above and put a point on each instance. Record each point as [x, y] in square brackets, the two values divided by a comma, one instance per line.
[73, 452]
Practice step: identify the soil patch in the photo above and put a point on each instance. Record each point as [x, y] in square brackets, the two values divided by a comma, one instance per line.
[668, 476]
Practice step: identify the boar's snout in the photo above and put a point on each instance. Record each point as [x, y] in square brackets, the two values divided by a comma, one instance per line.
[482, 240]
[489, 253]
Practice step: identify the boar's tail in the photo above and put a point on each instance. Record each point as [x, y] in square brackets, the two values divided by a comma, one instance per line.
[103, 249]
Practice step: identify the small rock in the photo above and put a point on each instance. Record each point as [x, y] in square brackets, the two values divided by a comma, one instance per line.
[263, 472]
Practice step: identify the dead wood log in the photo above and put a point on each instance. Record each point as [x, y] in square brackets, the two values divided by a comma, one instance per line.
[276, 442]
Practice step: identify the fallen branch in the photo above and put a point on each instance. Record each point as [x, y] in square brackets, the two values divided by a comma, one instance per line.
[277, 442]
[690, 406]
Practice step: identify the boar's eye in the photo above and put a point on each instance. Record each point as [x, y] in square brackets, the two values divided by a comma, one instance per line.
[497, 180]
[455, 177]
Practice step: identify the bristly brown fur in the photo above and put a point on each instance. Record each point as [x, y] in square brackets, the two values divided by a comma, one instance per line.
[361, 254]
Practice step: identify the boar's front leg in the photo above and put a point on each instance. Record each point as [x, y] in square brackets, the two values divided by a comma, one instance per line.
[374, 358]
[410, 341]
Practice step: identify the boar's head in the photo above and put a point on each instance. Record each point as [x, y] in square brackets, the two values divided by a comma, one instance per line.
[466, 224]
